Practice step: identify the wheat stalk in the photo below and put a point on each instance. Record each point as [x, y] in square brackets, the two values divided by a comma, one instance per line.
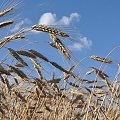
[18, 72]
[51, 30]
[100, 73]
[60, 46]
[37, 54]
[17, 57]
[3, 71]
[5, 11]
[25, 53]
[6, 23]
[44, 96]
[101, 59]
[7, 39]
[38, 68]
[73, 84]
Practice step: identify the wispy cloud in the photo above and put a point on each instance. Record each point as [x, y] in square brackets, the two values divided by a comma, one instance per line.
[20, 24]
[51, 19]
[84, 43]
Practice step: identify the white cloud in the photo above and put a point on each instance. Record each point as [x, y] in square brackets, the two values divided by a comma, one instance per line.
[68, 20]
[20, 24]
[84, 43]
[51, 19]
[48, 19]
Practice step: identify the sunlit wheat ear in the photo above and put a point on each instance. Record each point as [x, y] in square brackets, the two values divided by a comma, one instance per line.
[17, 57]
[38, 65]
[38, 68]
[101, 59]
[60, 46]
[6, 23]
[5, 40]
[18, 35]
[78, 92]
[5, 11]
[90, 71]
[51, 30]
[8, 6]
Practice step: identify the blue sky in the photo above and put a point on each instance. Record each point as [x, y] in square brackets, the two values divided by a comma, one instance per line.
[96, 21]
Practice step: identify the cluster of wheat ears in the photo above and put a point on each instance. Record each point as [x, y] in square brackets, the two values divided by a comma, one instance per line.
[70, 96]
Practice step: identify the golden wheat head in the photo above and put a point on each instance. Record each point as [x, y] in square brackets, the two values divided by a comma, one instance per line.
[60, 46]
[51, 30]
[101, 59]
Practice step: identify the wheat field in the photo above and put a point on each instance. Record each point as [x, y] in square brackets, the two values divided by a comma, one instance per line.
[32, 89]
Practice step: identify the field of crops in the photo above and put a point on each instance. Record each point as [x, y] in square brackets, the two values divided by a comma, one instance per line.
[36, 87]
